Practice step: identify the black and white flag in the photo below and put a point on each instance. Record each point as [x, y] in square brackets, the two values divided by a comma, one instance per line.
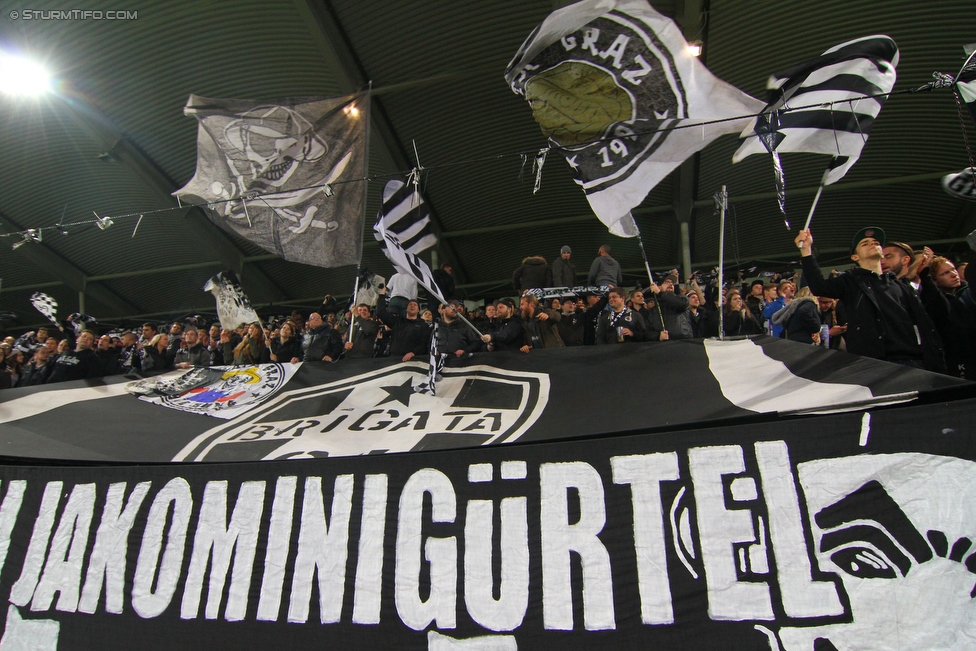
[233, 306]
[837, 97]
[617, 92]
[401, 214]
[406, 213]
[46, 306]
[277, 173]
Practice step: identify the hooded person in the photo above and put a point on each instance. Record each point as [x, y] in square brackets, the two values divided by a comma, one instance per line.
[801, 318]
[532, 274]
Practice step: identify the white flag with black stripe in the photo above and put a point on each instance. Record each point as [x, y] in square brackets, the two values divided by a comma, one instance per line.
[400, 230]
[406, 215]
[842, 92]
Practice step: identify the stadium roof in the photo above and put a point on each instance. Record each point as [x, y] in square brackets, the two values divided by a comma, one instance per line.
[113, 139]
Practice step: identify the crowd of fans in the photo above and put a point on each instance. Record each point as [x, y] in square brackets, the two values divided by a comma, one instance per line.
[896, 304]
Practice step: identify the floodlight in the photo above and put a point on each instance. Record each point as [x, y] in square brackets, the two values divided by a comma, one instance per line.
[20, 76]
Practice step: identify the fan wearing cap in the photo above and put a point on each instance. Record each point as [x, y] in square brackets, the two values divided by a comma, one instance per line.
[885, 319]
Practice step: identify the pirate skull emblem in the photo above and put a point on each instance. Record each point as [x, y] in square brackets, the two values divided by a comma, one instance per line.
[275, 141]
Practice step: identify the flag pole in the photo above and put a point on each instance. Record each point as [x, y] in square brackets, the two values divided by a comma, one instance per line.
[355, 290]
[647, 266]
[813, 206]
[722, 203]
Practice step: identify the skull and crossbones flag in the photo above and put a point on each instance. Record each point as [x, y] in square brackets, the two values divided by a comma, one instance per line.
[46, 306]
[615, 89]
[285, 175]
[233, 306]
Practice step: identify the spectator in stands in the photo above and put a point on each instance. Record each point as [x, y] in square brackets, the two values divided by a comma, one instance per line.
[801, 318]
[671, 305]
[108, 356]
[193, 353]
[15, 365]
[755, 301]
[155, 354]
[605, 270]
[130, 355]
[77, 364]
[505, 332]
[943, 294]
[540, 327]
[427, 316]
[175, 338]
[885, 318]
[833, 316]
[896, 258]
[591, 317]
[411, 334]
[737, 319]
[444, 278]
[286, 346]
[532, 274]
[321, 343]
[619, 324]
[454, 337]
[38, 369]
[51, 343]
[362, 334]
[562, 272]
[149, 331]
[698, 316]
[251, 350]
[402, 288]
[571, 324]
[785, 291]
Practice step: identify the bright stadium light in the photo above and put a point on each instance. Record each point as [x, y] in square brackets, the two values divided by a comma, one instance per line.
[20, 76]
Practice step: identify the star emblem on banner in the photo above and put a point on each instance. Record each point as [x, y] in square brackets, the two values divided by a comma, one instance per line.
[400, 393]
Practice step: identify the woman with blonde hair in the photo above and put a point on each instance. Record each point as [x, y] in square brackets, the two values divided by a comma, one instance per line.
[801, 318]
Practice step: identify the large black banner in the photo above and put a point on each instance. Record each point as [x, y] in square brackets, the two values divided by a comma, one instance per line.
[356, 407]
[845, 531]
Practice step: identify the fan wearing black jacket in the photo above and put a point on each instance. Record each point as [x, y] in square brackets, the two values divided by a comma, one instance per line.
[411, 334]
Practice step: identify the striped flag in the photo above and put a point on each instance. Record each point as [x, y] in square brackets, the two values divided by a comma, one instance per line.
[830, 124]
[406, 213]
[403, 230]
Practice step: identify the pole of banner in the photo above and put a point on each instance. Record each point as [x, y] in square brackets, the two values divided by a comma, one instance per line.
[647, 266]
[470, 325]
[813, 206]
[721, 204]
[355, 290]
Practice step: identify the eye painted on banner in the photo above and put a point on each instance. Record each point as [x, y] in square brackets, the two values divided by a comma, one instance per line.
[866, 561]
[870, 536]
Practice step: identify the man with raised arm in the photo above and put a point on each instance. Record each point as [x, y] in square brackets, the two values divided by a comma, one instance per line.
[885, 319]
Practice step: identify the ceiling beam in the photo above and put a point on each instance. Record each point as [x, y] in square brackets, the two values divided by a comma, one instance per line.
[351, 76]
[58, 267]
[109, 139]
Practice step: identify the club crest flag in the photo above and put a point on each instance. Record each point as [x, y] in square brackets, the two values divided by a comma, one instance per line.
[966, 84]
[278, 174]
[857, 70]
[233, 306]
[613, 86]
